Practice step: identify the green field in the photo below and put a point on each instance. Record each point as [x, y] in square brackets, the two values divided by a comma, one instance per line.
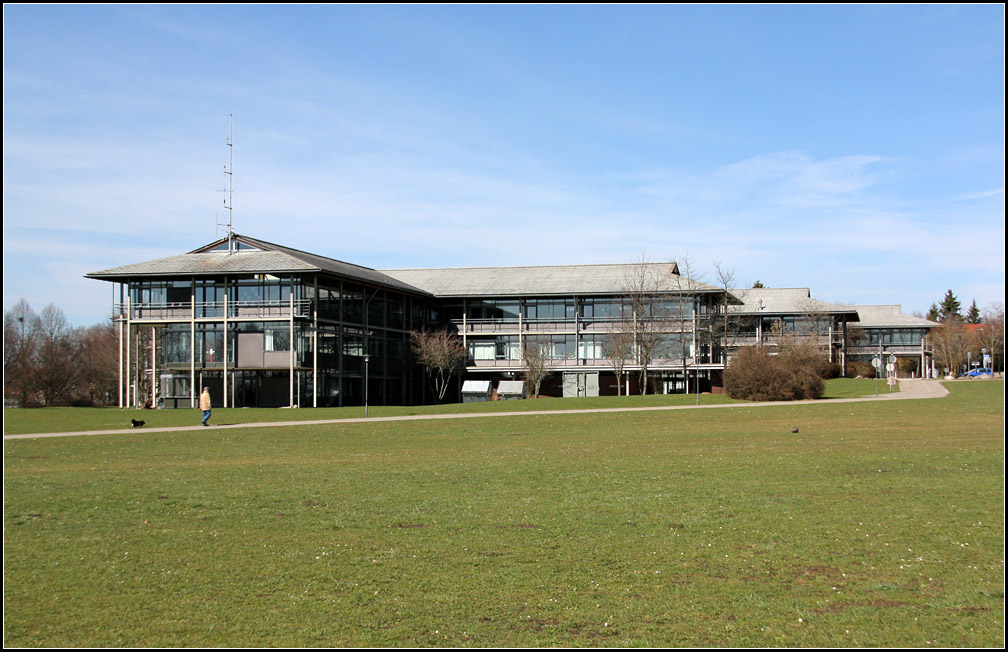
[877, 524]
[77, 419]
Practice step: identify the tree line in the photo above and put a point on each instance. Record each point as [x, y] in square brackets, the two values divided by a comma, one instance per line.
[963, 337]
[48, 362]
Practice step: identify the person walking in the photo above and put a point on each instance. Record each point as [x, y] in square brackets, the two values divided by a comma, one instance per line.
[204, 404]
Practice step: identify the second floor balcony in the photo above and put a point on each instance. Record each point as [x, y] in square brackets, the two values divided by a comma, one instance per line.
[186, 311]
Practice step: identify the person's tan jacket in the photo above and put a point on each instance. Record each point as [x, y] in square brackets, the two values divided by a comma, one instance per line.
[204, 401]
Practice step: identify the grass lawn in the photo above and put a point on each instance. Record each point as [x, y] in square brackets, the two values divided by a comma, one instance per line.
[877, 524]
[18, 421]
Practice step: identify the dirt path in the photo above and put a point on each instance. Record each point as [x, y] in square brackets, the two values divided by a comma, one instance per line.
[909, 389]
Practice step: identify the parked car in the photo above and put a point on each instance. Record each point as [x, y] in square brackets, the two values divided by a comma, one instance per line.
[980, 371]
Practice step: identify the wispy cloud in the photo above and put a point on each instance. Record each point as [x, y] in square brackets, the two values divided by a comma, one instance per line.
[395, 137]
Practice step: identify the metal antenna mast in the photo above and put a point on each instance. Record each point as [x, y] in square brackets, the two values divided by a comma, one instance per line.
[228, 170]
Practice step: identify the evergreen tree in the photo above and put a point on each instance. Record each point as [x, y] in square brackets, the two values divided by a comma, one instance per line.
[757, 284]
[973, 314]
[949, 307]
[932, 313]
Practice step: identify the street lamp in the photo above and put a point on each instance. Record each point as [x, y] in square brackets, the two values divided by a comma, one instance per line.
[366, 358]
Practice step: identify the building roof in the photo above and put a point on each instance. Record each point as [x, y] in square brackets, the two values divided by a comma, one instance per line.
[545, 280]
[252, 257]
[890, 317]
[788, 301]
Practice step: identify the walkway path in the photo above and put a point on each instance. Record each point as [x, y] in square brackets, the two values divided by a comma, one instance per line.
[909, 389]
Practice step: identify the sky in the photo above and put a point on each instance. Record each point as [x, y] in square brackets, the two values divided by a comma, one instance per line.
[854, 150]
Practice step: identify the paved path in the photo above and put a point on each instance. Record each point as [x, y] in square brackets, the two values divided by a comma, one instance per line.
[909, 389]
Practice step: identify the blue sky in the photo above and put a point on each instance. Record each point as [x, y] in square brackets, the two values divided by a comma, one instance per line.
[854, 150]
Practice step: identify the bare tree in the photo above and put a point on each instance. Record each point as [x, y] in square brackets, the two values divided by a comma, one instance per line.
[727, 324]
[441, 353]
[537, 361]
[950, 342]
[57, 368]
[98, 351]
[990, 335]
[618, 349]
[646, 289]
[139, 371]
[817, 321]
[684, 286]
[21, 339]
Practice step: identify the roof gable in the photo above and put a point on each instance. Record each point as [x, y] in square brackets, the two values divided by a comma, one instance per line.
[251, 256]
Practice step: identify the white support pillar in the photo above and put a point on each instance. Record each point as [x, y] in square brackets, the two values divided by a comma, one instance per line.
[521, 332]
[121, 364]
[154, 377]
[577, 336]
[129, 366]
[192, 347]
[136, 373]
[315, 354]
[224, 399]
[292, 344]
[695, 352]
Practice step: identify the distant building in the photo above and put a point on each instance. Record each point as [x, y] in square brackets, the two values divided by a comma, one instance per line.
[265, 325]
[885, 328]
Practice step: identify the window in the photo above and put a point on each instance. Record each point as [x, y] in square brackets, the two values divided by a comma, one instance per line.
[482, 350]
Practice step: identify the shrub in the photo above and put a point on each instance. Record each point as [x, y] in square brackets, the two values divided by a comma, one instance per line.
[857, 368]
[756, 375]
[827, 369]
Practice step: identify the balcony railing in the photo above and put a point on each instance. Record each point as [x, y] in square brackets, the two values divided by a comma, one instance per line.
[585, 325]
[752, 338]
[873, 349]
[184, 310]
[568, 363]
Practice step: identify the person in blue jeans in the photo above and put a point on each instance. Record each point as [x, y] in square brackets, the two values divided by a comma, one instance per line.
[204, 404]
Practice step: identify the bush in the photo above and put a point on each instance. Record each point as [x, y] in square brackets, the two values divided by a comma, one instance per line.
[827, 369]
[857, 368]
[755, 375]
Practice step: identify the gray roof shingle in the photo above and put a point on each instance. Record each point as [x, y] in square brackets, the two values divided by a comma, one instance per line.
[267, 258]
[546, 280]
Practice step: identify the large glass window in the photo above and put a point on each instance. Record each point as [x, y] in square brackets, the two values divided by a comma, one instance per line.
[482, 350]
[895, 336]
[353, 342]
[395, 312]
[590, 349]
[175, 344]
[353, 304]
[210, 345]
[601, 308]
[549, 309]
[277, 336]
[179, 291]
[562, 347]
[376, 309]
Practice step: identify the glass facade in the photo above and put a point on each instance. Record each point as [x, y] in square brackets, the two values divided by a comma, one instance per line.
[267, 333]
[316, 339]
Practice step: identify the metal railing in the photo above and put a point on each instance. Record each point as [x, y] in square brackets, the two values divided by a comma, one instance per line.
[184, 310]
[598, 325]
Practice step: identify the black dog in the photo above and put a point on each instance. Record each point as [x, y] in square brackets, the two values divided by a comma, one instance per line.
[137, 424]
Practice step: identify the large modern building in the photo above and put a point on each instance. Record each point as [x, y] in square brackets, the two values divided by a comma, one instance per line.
[265, 325]
[853, 333]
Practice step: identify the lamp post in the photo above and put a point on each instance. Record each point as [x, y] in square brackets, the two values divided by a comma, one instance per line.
[366, 358]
